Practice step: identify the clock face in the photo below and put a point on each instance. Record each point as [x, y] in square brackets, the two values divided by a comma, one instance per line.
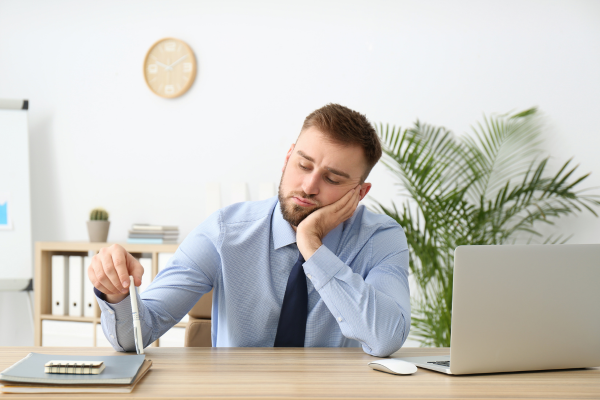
[170, 68]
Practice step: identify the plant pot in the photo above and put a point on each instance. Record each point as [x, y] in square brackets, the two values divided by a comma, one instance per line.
[98, 230]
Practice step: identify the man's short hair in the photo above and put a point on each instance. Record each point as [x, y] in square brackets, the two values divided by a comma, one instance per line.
[347, 127]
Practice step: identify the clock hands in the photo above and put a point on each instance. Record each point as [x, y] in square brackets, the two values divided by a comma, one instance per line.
[165, 66]
[169, 67]
[177, 62]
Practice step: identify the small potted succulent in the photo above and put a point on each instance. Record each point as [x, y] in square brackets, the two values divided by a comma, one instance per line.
[98, 225]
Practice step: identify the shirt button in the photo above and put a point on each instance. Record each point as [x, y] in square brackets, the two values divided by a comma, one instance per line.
[111, 312]
[309, 276]
[112, 337]
[340, 319]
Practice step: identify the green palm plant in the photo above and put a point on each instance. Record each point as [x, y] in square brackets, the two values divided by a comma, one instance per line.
[491, 187]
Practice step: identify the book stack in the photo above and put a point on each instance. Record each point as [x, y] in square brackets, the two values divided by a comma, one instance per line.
[30, 375]
[153, 234]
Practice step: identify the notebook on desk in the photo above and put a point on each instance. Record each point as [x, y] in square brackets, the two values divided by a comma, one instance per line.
[8, 387]
[119, 370]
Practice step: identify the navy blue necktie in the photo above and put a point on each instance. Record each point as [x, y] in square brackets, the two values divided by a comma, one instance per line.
[294, 310]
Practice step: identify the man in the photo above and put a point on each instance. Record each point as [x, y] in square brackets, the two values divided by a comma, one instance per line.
[308, 268]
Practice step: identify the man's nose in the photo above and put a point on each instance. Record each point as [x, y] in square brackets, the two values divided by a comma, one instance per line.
[311, 184]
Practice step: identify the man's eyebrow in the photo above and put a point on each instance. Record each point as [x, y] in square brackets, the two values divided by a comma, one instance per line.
[302, 154]
[333, 171]
[340, 173]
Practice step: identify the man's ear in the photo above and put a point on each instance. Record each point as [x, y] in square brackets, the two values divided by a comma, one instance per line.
[364, 189]
[287, 157]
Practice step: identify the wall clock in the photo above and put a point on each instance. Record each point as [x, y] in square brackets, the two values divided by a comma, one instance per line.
[170, 68]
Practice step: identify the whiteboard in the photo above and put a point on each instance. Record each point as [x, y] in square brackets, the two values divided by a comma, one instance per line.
[16, 252]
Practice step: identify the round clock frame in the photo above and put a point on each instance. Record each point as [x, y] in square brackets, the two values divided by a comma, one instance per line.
[170, 78]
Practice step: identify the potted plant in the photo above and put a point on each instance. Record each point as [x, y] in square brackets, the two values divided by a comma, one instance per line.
[489, 188]
[98, 225]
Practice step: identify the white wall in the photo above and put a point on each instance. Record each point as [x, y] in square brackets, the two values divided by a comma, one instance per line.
[100, 137]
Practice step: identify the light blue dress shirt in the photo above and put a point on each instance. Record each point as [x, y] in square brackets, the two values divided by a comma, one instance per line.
[357, 283]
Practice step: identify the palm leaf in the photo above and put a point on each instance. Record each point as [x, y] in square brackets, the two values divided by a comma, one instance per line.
[490, 187]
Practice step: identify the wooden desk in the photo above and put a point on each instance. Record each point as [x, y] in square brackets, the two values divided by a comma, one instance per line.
[317, 373]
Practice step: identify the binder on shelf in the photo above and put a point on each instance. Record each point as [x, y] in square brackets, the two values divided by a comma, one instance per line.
[88, 291]
[146, 278]
[60, 282]
[75, 286]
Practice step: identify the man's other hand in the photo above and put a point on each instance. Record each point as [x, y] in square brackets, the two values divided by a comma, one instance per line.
[110, 270]
[311, 231]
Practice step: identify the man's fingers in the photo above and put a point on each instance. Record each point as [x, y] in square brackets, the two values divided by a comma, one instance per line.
[99, 278]
[119, 259]
[343, 201]
[97, 284]
[356, 200]
[135, 269]
[350, 204]
[103, 279]
[110, 271]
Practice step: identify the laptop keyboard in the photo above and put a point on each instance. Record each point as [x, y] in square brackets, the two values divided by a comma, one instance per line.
[442, 363]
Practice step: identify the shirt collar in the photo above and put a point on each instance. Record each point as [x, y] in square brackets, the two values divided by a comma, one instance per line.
[284, 234]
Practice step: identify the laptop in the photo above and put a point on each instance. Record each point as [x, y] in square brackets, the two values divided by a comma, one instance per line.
[522, 308]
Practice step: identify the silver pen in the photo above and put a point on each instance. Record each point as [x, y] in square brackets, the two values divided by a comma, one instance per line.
[137, 328]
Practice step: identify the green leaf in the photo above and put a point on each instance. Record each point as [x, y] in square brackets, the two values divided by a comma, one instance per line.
[489, 187]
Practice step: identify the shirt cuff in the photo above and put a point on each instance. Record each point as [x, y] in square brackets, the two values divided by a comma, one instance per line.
[124, 306]
[322, 266]
[99, 294]
[112, 316]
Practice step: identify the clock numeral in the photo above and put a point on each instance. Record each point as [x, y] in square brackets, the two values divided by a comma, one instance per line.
[170, 46]
[187, 67]
[169, 89]
[152, 68]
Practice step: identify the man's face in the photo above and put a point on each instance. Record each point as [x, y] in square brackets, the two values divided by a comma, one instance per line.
[318, 172]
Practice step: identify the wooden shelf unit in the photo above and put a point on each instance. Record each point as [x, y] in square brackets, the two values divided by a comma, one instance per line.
[43, 277]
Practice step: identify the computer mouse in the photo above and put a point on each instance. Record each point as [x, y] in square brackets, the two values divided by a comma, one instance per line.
[393, 366]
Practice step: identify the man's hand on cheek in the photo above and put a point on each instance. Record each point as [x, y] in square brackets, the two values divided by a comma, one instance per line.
[311, 231]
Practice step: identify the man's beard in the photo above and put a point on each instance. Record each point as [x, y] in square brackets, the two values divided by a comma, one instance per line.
[293, 213]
